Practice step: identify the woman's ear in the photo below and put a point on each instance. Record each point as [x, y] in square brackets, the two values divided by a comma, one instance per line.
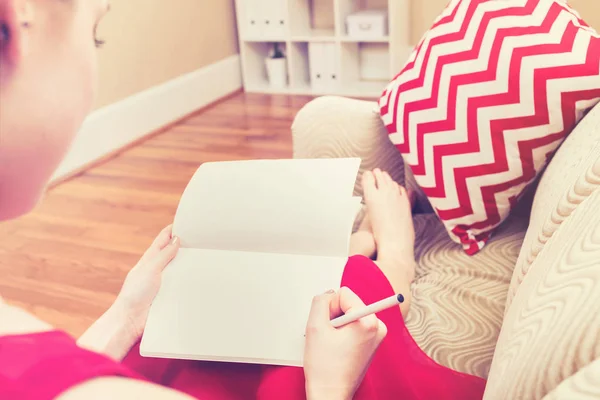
[15, 18]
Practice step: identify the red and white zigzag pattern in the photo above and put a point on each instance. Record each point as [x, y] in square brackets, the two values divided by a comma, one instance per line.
[485, 100]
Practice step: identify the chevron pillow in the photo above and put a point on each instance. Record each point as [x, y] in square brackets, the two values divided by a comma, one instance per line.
[485, 100]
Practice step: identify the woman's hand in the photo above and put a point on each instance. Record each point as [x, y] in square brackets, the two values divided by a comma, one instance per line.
[115, 332]
[336, 360]
[143, 281]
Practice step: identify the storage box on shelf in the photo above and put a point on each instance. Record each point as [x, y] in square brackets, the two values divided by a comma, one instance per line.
[368, 25]
[340, 47]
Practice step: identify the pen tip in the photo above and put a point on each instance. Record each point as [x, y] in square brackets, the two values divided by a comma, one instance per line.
[400, 298]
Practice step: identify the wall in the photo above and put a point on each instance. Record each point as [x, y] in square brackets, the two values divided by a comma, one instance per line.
[589, 10]
[149, 42]
[425, 11]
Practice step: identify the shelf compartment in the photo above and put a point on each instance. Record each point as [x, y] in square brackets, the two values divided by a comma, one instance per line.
[315, 67]
[348, 7]
[311, 19]
[366, 67]
[255, 70]
[300, 71]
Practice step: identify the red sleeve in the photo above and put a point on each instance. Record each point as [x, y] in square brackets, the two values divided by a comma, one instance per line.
[42, 366]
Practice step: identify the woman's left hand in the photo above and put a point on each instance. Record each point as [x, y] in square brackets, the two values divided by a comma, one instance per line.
[143, 281]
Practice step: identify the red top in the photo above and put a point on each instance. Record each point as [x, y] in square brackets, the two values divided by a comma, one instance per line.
[41, 366]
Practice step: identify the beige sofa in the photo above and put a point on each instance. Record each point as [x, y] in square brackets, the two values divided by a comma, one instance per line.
[523, 313]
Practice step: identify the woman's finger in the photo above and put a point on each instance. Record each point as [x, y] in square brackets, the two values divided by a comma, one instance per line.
[163, 238]
[349, 300]
[381, 331]
[334, 307]
[159, 243]
[320, 311]
[164, 256]
[369, 325]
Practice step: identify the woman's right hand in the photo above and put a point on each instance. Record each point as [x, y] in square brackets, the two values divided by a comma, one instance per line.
[336, 360]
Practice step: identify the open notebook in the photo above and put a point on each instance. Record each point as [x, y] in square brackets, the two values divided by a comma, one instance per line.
[259, 240]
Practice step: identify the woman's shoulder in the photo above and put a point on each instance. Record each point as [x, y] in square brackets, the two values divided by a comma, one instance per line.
[26, 341]
[116, 388]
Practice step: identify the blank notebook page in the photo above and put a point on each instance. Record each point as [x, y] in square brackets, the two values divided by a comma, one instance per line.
[297, 206]
[253, 308]
[315, 226]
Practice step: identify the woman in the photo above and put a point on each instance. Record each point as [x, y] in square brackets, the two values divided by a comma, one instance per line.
[47, 76]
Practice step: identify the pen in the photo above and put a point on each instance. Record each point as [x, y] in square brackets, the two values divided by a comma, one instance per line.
[374, 308]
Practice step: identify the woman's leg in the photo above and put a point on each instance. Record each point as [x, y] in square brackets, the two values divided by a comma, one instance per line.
[389, 217]
[362, 242]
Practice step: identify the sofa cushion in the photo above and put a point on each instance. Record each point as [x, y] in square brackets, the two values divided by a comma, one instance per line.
[487, 96]
[551, 330]
[570, 178]
[459, 300]
[584, 385]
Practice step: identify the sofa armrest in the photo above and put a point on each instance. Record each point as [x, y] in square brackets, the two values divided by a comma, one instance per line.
[337, 127]
[583, 385]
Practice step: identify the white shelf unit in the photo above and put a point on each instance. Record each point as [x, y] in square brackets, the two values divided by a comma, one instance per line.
[363, 66]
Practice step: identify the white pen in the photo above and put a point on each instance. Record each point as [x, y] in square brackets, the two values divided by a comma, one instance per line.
[374, 308]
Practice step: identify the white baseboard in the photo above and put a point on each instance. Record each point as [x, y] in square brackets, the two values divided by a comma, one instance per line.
[115, 126]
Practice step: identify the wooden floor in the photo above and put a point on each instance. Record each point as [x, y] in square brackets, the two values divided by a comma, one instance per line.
[65, 262]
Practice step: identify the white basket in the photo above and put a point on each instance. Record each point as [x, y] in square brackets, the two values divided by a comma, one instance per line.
[277, 72]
